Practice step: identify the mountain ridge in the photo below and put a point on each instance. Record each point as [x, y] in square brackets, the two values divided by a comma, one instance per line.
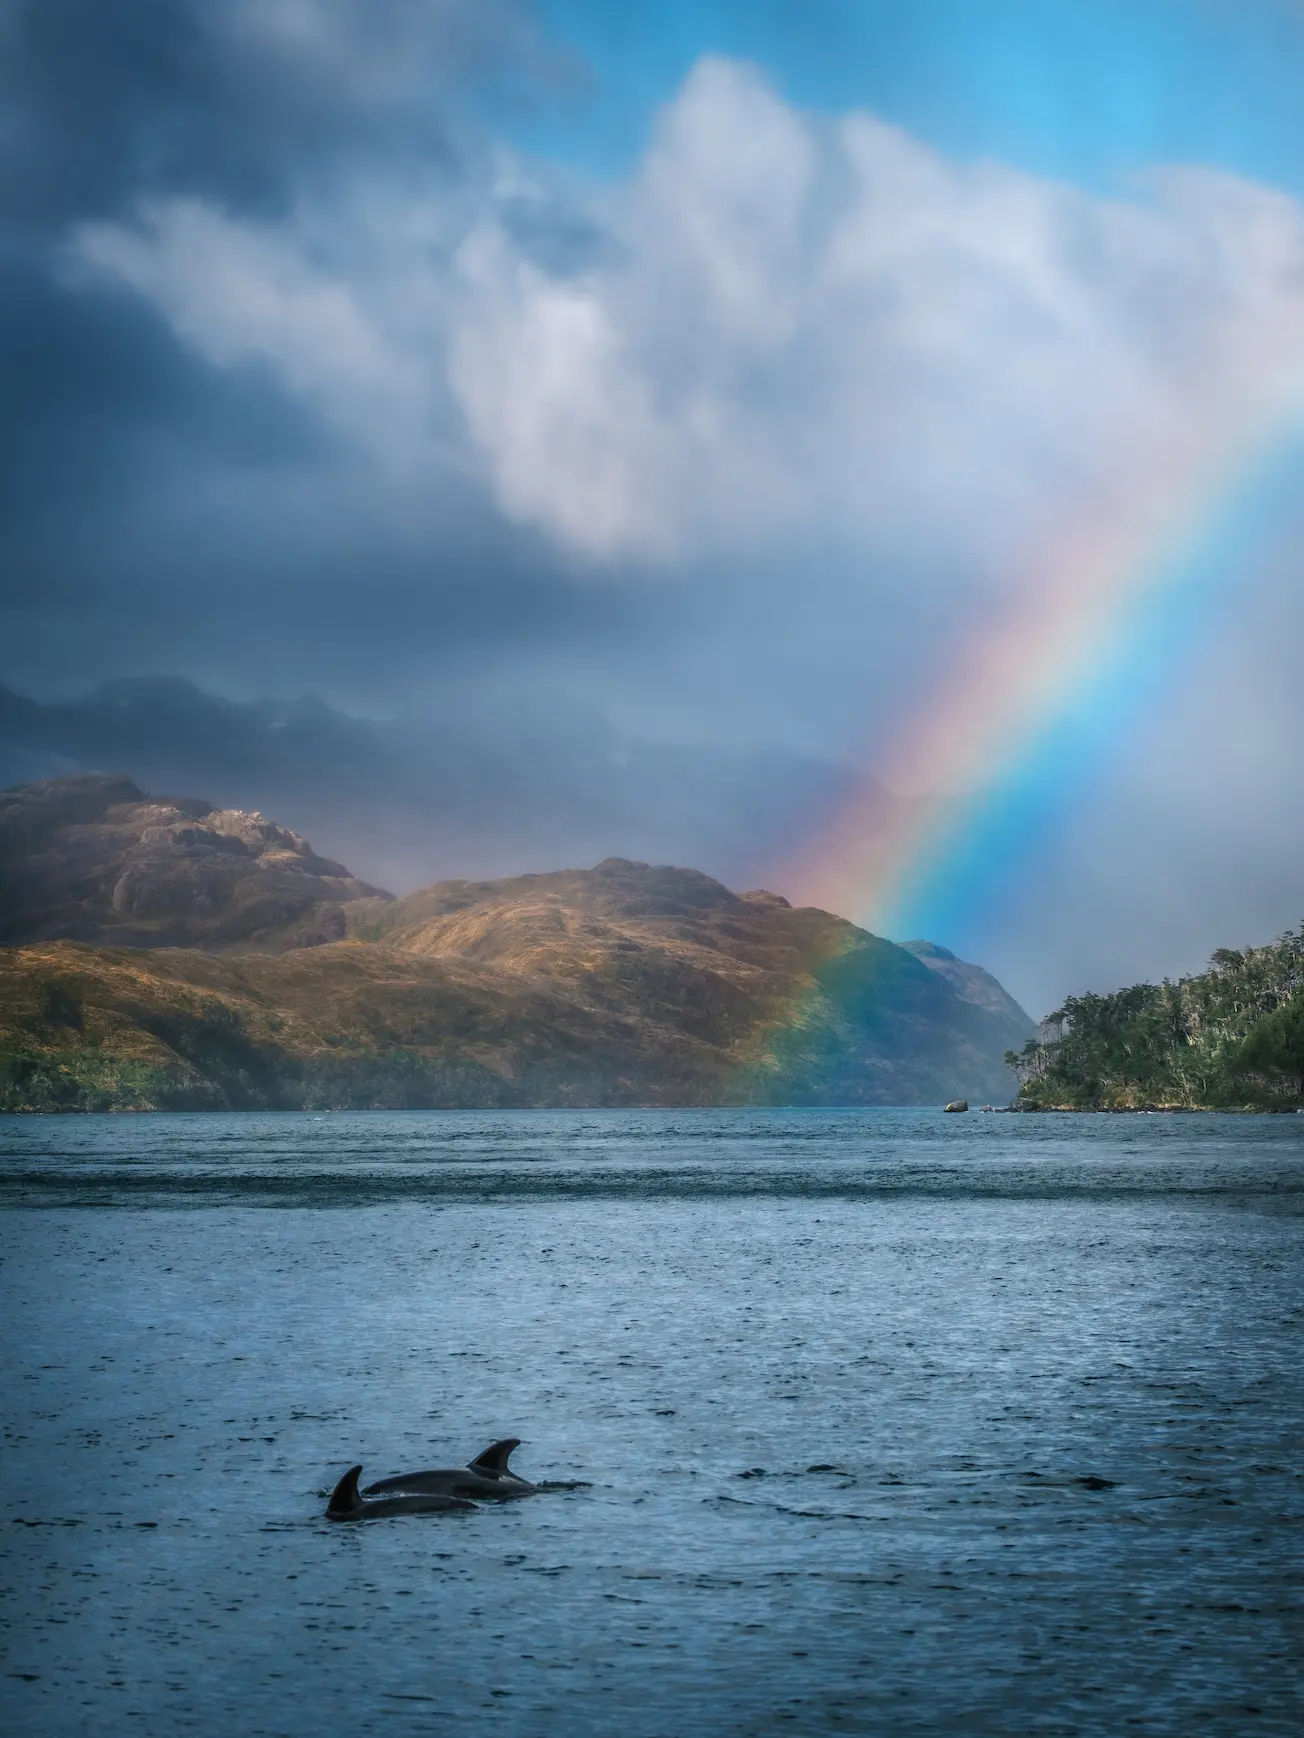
[973, 982]
[626, 983]
[472, 783]
[93, 858]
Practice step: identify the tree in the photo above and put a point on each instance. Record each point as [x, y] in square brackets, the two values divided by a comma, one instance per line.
[1275, 1048]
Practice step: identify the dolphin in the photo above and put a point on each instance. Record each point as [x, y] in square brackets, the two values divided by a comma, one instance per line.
[347, 1505]
[488, 1477]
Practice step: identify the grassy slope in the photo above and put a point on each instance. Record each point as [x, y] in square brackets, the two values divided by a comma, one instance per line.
[616, 985]
[343, 1025]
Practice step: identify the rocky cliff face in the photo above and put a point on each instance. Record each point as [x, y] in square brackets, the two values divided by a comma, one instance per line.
[623, 984]
[95, 859]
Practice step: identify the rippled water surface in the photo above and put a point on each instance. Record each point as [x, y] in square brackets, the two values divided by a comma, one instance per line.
[890, 1423]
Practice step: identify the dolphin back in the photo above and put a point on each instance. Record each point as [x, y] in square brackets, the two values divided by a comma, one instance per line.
[445, 1481]
[487, 1477]
[347, 1505]
[413, 1504]
[451, 1481]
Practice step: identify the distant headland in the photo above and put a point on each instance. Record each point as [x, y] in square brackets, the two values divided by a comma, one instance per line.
[1230, 1038]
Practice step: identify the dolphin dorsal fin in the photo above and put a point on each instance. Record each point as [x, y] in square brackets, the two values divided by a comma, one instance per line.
[493, 1462]
[345, 1498]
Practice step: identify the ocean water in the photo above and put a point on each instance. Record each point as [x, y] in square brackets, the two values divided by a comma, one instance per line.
[888, 1422]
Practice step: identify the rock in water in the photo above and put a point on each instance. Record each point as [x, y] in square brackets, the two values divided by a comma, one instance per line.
[958, 1104]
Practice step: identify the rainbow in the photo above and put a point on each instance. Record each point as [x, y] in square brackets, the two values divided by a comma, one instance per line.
[1085, 631]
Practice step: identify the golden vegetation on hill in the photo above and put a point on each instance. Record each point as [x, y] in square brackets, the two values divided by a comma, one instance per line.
[624, 984]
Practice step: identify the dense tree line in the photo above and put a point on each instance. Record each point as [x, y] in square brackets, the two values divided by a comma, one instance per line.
[1232, 1036]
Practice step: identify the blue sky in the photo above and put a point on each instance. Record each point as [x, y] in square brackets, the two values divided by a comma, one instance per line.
[1086, 90]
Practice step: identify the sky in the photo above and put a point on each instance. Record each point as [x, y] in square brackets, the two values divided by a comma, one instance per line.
[910, 392]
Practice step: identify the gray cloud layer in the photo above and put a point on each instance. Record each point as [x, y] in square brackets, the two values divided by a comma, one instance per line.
[312, 382]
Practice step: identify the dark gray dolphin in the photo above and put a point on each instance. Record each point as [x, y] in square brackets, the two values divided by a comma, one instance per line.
[347, 1505]
[488, 1477]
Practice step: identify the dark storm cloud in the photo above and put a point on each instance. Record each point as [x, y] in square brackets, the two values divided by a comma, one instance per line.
[236, 98]
[165, 512]
[90, 381]
[341, 604]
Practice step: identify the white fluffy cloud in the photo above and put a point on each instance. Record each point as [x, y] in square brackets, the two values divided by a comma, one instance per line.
[777, 325]
[802, 324]
[334, 334]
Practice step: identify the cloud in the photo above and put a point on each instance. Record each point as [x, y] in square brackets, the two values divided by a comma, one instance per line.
[809, 324]
[236, 292]
[241, 100]
[778, 327]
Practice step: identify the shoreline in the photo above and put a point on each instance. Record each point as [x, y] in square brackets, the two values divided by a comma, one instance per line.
[1155, 1110]
[669, 1108]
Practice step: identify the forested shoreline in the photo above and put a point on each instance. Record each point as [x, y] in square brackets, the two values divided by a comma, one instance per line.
[1228, 1038]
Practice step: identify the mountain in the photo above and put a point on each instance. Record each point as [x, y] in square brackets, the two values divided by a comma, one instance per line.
[481, 785]
[622, 984]
[975, 985]
[95, 859]
[1230, 1038]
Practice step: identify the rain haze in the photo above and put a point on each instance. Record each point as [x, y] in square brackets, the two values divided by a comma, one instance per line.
[493, 437]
